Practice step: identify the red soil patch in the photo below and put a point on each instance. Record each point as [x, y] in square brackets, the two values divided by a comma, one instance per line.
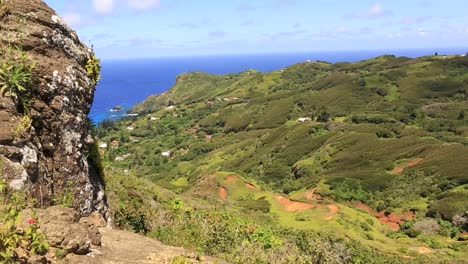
[222, 193]
[400, 169]
[250, 186]
[392, 220]
[364, 207]
[333, 210]
[292, 206]
[309, 194]
[423, 250]
[231, 178]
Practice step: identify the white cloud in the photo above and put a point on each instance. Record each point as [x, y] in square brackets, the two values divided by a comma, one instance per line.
[414, 20]
[375, 11]
[342, 30]
[143, 4]
[422, 32]
[394, 35]
[72, 19]
[103, 6]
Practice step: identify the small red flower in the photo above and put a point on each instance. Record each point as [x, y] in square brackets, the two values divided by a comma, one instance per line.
[32, 221]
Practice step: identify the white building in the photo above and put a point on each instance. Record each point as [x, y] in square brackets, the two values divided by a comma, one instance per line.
[303, 119]
[166, 154]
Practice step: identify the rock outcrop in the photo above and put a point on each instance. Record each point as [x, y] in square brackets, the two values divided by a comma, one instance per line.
[44, 151]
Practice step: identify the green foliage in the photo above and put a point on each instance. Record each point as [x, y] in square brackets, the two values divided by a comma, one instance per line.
[93, 68]
[132, 217]
[349, 189]
[387, 131]
[23, 125]
[67, 197]
[15, 76]
[261, 205]
[11, 237]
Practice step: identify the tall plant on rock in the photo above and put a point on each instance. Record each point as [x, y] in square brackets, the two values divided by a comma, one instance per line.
[15, 76]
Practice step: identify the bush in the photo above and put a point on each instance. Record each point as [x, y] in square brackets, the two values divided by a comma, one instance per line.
[349, 189]
[427, 226]
[261, 205]
[13, 239]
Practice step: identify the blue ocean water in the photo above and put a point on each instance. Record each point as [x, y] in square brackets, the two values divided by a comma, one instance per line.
[127, 82]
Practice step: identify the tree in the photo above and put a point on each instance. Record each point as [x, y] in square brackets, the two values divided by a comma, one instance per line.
[324, 116]
[461, 116]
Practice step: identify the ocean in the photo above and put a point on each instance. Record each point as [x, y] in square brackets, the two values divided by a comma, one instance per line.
[127, 82]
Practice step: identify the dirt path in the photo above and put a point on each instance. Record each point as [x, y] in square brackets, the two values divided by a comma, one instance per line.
[400, 169]
[122, 247]
[333, 210]
[292, 206]
[222, 193]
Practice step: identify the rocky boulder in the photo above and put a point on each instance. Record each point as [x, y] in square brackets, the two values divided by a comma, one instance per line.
[65, 230]
[44, 150]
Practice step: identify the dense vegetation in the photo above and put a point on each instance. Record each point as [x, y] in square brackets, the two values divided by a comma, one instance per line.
[214, 163]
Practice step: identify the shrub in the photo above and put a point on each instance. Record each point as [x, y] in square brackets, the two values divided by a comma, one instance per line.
[12, 238]
[349, 189]
[261, 205]
[93, 68]
[427, 226]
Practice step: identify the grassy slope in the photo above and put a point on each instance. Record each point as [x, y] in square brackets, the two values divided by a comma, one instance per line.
[369, 119]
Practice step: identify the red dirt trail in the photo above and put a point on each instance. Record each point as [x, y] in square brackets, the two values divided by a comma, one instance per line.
[292, 206]
[400, 169]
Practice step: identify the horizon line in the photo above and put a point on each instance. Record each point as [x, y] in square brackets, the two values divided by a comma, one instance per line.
[433, 51]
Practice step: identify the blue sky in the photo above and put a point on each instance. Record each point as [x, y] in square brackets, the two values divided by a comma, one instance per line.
[156, 28]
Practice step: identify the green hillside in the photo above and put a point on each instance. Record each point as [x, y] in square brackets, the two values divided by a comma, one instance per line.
[362, 162]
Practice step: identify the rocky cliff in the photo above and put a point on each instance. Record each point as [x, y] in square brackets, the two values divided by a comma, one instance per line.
[47, 86]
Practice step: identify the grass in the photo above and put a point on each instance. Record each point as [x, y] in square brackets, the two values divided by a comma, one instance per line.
[384, 112]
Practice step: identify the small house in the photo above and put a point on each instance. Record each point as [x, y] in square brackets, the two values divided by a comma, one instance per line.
[166, 154]
[303, 119]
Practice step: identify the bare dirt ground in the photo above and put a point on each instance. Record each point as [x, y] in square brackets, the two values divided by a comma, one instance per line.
[292, 206]
[122, 247]
[392, 220]
[231, 178]
[422, 250]
[222, 193]
[400, 169]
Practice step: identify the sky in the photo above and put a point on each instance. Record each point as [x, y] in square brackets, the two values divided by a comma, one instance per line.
[162, 28]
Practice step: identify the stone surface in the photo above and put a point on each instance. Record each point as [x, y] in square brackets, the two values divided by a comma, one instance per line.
[48, 158]
[121, 247]
[64, 229]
